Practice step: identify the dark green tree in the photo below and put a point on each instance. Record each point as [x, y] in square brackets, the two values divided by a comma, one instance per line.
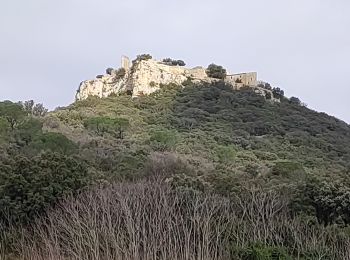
[29, 186]
[216, 71]
[13, 113]
[295, 101]
[54, 142]
[102, 125]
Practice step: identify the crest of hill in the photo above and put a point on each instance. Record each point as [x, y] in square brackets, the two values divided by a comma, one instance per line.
[145, 76]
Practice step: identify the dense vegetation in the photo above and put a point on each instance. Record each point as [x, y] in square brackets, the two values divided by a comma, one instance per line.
[216, 71]
[264, 180]
[172, 62]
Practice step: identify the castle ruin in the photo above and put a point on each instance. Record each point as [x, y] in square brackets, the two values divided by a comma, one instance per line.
[149, 75]
[125, 63]
[243, 79]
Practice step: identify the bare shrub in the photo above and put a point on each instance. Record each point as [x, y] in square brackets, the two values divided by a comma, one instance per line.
[149, 220]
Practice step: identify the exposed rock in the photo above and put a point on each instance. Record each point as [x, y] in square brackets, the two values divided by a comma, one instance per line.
[147, 76]
[101, 87]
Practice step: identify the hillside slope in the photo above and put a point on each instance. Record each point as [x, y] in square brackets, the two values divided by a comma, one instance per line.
[286, 163]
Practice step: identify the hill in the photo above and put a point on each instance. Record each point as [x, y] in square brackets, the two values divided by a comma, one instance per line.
[258, 177]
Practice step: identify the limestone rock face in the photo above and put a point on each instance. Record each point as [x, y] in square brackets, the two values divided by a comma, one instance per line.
[101, 87]
[147, 76]
[144, 78]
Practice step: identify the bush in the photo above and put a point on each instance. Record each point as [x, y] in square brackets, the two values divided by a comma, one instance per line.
[54, 142]
[163, 139]
[148, 218]
[13, 113]
[278, 93]
[109, 71]
[172, 62]
[29, 186]
[120, 73]
[295, 101]
[102, 125]
[288, 169]
[143, 57]
[216, 71]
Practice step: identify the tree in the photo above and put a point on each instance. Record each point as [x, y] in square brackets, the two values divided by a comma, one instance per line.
[54, 142]
[102, 125]
[28, 106]
[29, 186]
[181, 63]
[295, 101]
[109, 71]
[28, 130]
[216, 71]
[12, 112]
[277, 92]
[171, 62]
[143, 57]
[39, 110]
[34, 109]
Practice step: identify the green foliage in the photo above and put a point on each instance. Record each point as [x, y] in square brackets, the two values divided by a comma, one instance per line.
[28, 130]
[204, 137]
[109, 71]
[143, 57]
[12, 112]
[295, 101]
[120, 73]
[226, 154]
[277, 93]
[263, 252]
[172, 62]
[34, 109]
[102, 125]
[288, 169]
[163, 139]
[328, 200]
[54, 142]
[29, 186]
[216, 71]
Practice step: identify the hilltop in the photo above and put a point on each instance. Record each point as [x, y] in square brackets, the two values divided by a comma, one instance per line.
[200, 161]
[145, 75]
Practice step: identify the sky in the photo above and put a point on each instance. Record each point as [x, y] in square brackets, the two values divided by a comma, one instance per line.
[302, 46]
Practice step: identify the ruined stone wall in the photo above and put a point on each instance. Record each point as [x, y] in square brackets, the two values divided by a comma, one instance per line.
[246, 79]
[147, 76]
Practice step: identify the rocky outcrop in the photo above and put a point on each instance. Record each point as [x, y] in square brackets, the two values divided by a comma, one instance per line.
[147, 76]
[143, 78]
[102, 86]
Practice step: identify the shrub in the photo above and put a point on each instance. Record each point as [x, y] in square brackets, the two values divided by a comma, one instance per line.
[29, 186]
[102, 125]
[13, 113]
[289, 169]
[163, 139]
[143, 57]
[120, 73]
[109, 71]
[54, 142]
[172, 62]
[149, 219]
[216, 71]
[295, 101]
[278, 93]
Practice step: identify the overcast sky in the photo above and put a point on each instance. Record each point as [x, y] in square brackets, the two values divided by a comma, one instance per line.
[303, 46]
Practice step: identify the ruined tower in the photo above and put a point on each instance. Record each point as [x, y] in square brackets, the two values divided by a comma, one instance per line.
[125, 63]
